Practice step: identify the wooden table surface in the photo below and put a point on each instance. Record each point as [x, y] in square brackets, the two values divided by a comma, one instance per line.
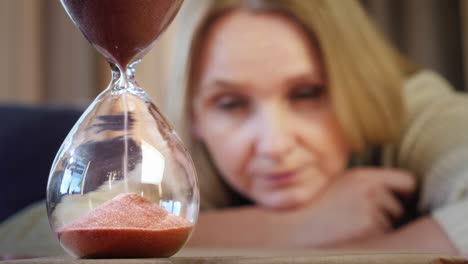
[250, 256]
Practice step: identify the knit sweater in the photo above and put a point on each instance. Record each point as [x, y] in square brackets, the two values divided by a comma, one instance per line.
[433, 146]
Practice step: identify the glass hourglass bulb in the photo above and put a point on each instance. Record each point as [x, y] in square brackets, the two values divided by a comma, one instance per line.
[122, 184]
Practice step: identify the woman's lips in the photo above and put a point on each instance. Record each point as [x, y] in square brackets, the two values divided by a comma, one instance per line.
[280, 179]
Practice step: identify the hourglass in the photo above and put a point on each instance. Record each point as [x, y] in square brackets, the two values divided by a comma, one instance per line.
[122, 183]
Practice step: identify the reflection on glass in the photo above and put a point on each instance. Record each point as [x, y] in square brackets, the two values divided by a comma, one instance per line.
[74, 177]
[153, 165]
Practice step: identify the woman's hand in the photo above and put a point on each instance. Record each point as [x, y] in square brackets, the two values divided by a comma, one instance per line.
[361, 203]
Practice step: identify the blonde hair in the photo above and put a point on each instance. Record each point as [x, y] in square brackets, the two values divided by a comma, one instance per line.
[365, 75]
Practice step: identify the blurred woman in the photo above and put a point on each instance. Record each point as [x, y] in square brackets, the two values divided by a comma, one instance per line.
[309, 130]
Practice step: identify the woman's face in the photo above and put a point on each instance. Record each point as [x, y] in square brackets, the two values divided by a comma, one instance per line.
[263, 110]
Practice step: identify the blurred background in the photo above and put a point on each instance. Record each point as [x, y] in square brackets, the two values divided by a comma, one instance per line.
[46, 60]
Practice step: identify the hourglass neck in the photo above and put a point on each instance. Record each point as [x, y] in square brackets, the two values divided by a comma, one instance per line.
[123, 78]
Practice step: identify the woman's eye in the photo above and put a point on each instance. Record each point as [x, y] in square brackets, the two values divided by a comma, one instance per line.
[304, 92]
[230, 103]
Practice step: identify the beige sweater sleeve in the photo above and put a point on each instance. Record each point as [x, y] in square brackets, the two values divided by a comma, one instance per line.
[28, 232]
[435, 146]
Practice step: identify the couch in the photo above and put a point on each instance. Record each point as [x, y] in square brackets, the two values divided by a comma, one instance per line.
[30, 137]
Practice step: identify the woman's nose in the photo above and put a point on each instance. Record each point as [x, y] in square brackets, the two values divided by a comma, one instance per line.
[274, 138]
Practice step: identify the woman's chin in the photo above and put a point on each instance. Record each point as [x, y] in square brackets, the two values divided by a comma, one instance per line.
[286, 200]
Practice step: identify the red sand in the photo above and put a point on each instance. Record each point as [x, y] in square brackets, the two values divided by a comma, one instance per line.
[122, 29]
[126, 226]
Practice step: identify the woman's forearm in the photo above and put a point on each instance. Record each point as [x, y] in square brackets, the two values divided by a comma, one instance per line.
[254, 227]
[244, 227]
[422, 235]
[251, 227]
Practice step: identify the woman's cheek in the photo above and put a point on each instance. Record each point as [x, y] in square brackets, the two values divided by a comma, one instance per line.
[224, 137]
[229, 157]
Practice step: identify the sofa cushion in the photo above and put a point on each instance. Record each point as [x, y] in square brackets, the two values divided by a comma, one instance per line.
[30, 137]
